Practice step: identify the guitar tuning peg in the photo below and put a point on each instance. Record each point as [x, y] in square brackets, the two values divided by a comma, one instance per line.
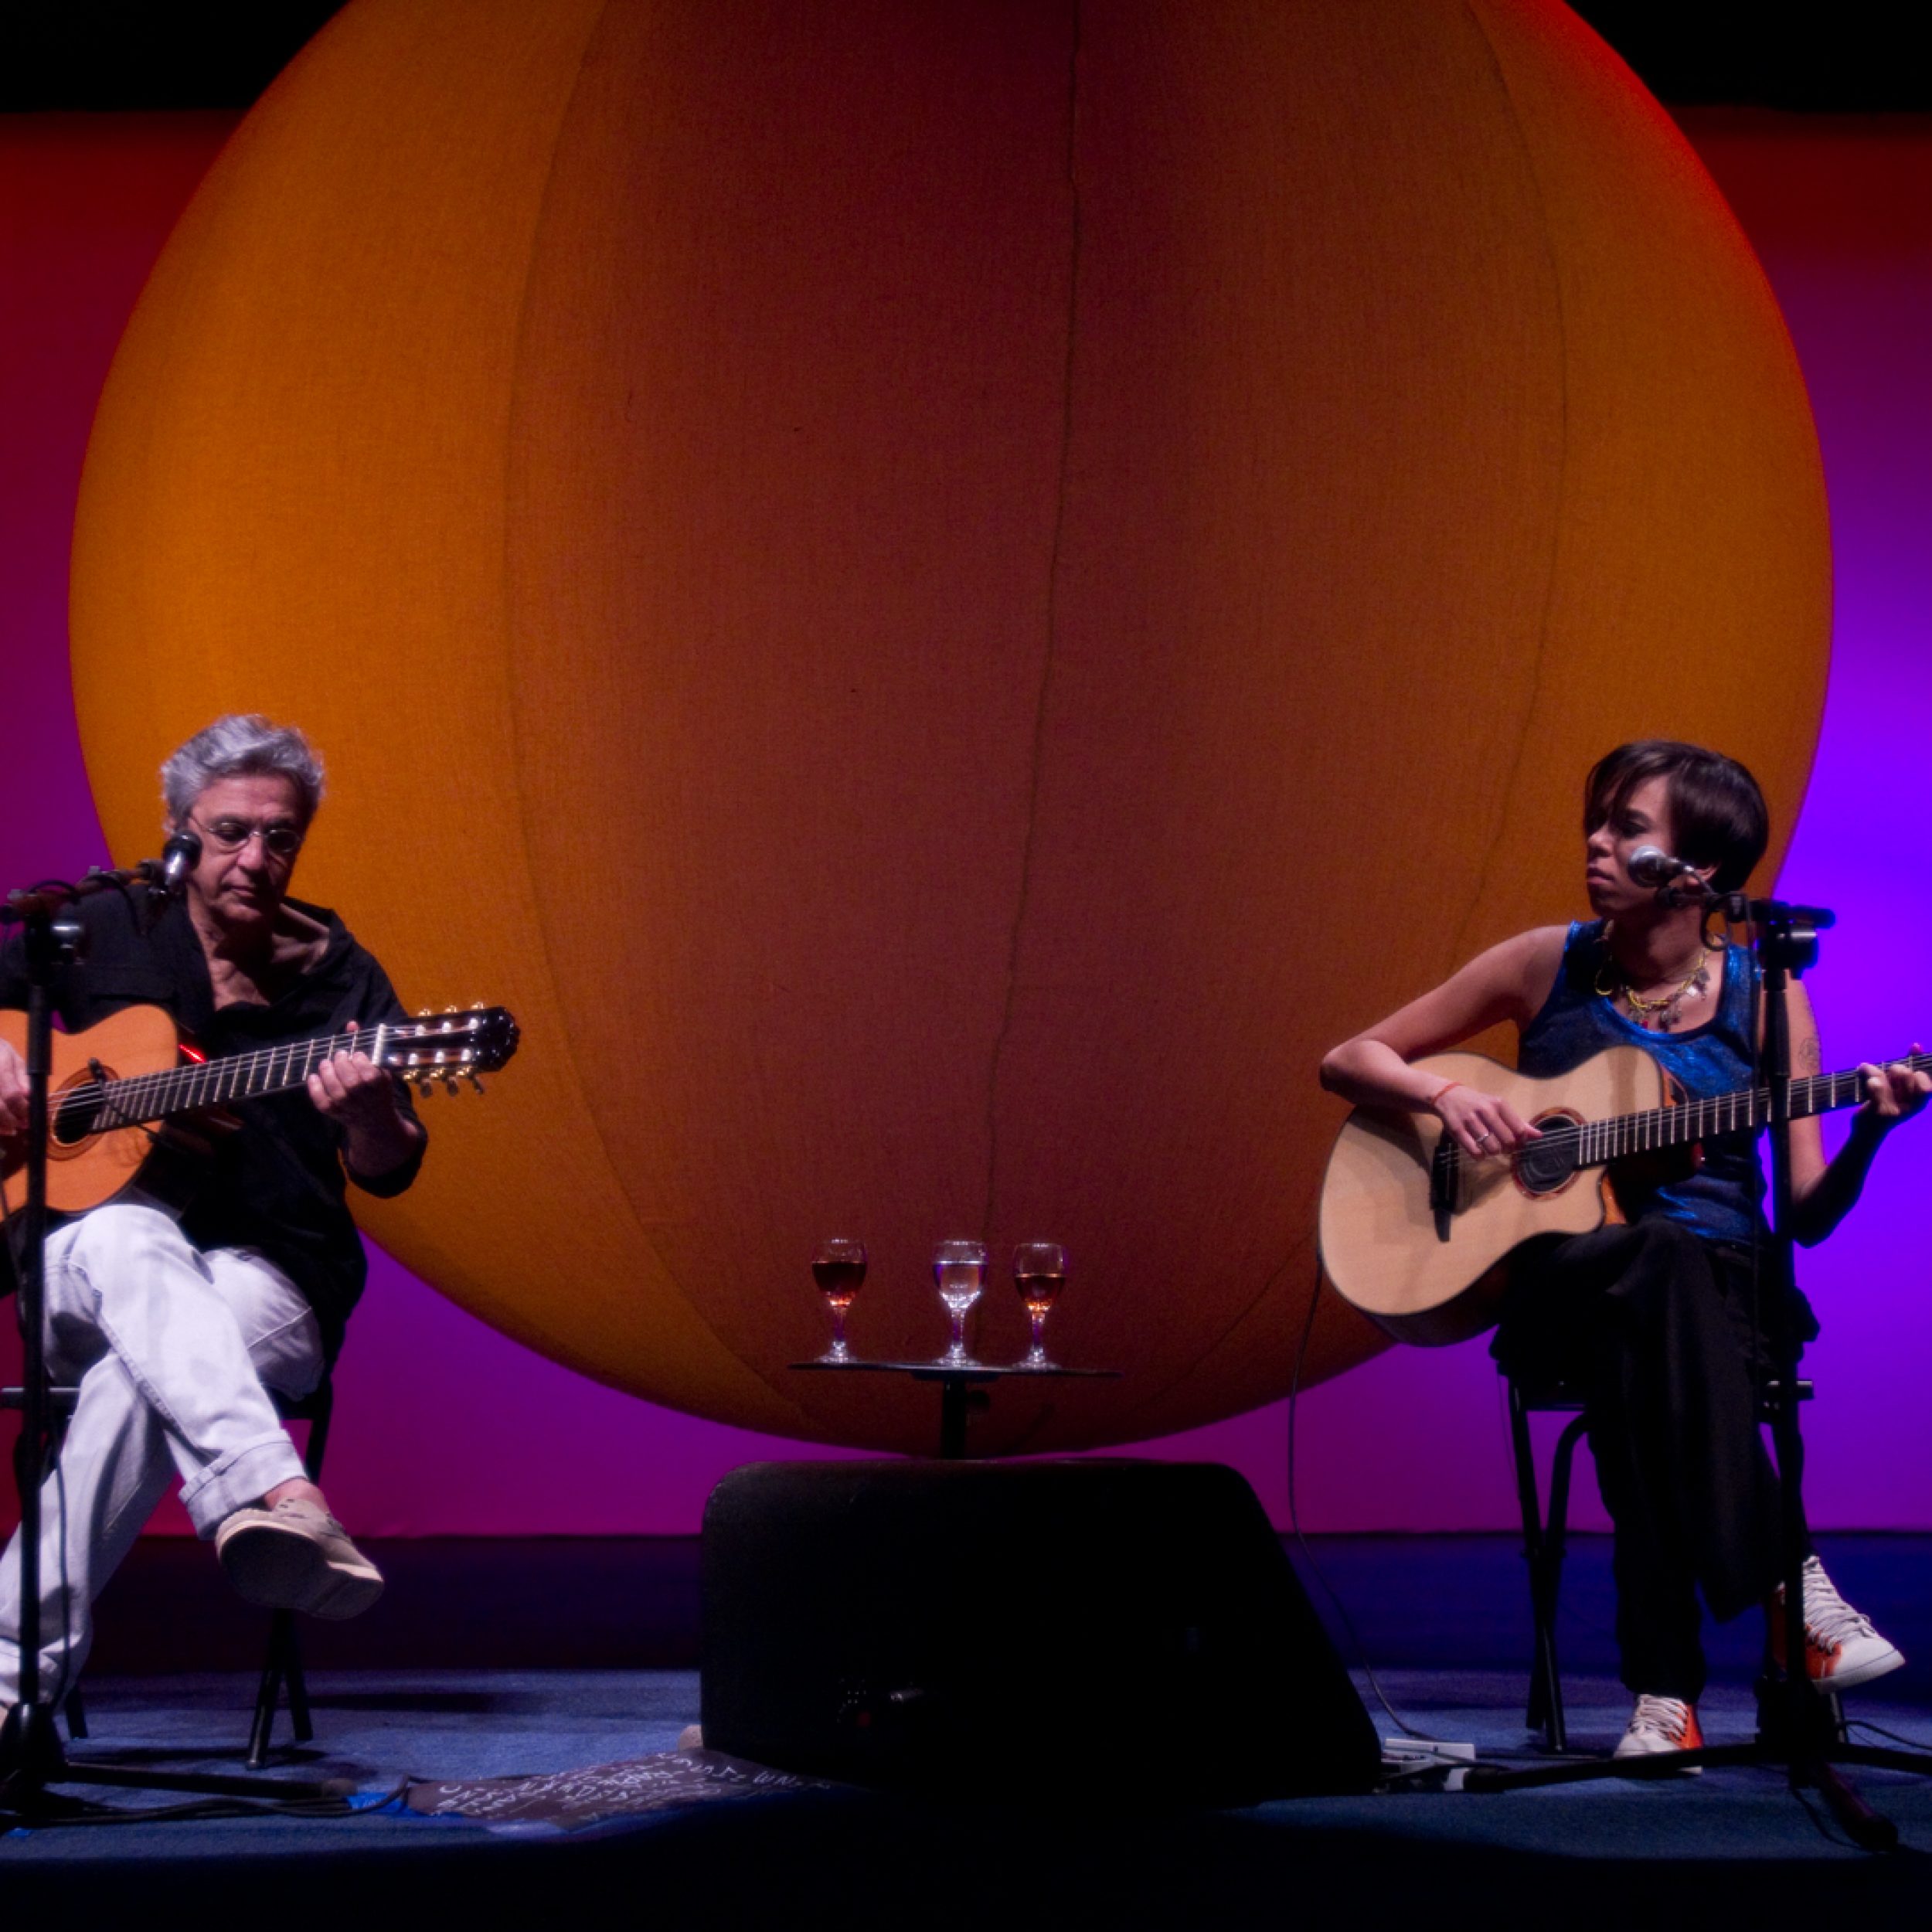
[452, 1009]
[454, 1086]
[422, 1012]
[475, 1083]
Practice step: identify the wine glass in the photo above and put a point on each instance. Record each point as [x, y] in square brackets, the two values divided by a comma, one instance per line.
[839, 1267]
[1039, 1272]
[959, 1271]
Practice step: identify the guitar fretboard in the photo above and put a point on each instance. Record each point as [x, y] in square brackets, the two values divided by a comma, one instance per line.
[237, 1076]
[1742, 1111]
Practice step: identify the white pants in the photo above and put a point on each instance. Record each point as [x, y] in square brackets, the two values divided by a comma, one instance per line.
[174, 1351]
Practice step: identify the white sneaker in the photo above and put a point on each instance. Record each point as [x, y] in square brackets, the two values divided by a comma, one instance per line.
[1659, 1725]
[1842, 1649]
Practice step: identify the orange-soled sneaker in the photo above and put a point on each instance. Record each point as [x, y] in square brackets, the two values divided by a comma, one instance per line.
[1660, 1725]
[1842, 1649]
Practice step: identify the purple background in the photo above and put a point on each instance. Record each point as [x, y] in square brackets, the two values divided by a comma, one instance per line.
[446, 1428]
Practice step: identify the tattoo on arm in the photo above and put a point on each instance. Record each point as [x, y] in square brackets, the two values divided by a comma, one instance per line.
[1811, 1059]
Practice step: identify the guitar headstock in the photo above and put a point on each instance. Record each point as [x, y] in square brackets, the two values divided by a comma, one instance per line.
[455, 1045]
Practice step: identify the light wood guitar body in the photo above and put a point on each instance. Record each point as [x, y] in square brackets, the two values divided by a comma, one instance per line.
[113, 1084]
[1432, 1272]
[1417, 1234]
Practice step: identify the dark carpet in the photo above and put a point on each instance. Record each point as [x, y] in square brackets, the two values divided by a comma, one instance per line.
[1441, 1619]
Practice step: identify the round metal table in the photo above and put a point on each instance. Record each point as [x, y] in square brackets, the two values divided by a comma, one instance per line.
[962, 1385]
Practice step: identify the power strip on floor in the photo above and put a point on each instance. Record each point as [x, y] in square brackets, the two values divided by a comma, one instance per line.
[1425, 1764]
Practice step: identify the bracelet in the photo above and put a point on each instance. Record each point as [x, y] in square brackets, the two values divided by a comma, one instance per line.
[1440, 1091]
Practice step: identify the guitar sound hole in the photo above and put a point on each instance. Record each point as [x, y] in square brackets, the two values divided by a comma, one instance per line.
[1547, 1166]
[74, 1120]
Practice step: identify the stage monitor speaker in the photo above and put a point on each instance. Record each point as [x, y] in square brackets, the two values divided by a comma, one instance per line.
[1121, 1630]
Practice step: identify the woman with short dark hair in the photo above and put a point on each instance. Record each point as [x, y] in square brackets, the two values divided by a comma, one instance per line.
[1656, 1320]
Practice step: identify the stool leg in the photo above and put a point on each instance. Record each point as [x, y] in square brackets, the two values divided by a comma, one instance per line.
[1774, 1723]
[1834, 1717]
[76, 1715]
[297, 1685]
[1545, 1711]
[266, 1697]
[283, 1668]
[284, 1661]
[1549, 1580]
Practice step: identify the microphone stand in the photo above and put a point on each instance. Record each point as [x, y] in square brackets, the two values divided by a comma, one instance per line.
[30, 1759]
[1806, 1743]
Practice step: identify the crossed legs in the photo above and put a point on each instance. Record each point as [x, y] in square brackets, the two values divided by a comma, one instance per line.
[174, 1351]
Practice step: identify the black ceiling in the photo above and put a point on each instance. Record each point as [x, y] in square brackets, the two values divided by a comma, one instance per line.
[109, 55]
[1854, 56]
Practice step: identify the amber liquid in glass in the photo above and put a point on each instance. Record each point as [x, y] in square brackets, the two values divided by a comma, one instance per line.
[839, 1281]
[1037, 1290]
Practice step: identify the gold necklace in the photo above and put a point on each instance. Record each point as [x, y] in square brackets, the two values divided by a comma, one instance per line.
[1653, 1016]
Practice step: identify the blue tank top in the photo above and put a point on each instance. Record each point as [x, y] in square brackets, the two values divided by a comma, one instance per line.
[1721, 1200]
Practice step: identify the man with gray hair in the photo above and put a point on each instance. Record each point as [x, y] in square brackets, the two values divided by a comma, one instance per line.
[175, 1320]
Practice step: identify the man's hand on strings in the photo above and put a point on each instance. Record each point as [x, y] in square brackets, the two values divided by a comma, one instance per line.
[352, 1091]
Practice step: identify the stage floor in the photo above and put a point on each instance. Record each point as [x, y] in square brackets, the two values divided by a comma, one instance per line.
[1023, 1858]
[1026, 1854]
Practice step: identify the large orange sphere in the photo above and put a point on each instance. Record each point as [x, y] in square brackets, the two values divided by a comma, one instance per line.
[940, 596]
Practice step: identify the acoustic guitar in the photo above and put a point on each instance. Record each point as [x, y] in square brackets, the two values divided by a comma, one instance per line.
[1418, 1234]
[113, 1084]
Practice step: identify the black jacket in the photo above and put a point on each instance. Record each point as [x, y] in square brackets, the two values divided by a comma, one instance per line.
[278, 1185]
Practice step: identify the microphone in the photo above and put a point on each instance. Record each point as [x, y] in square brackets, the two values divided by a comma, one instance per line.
[178, 858]
[1648, 865]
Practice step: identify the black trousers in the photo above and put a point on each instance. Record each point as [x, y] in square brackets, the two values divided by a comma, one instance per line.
[1658, 1330]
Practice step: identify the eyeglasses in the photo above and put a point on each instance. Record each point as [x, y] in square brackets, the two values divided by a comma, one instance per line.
[230, 835]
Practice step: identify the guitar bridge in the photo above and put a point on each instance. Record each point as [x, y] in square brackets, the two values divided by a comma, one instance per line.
[1443, 1172]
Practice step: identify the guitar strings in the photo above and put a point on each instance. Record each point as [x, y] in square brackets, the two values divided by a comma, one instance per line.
[141, 1095]
[1741, 1109]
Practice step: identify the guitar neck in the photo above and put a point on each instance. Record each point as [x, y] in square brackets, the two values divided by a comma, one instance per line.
[238, 1077]
[1742, 1111]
